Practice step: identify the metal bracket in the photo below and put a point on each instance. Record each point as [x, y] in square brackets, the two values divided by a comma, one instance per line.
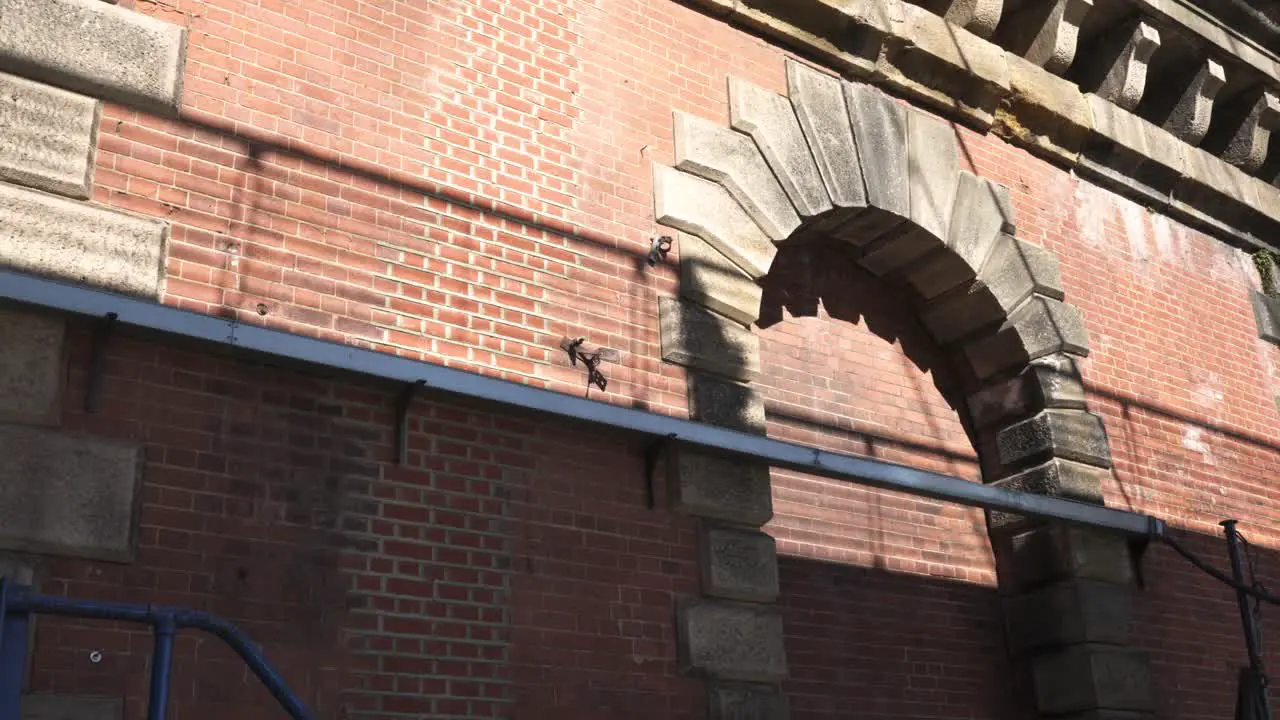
[653, 453]
[98, 362]
[658, 248]
[590, 360]
[407, 396]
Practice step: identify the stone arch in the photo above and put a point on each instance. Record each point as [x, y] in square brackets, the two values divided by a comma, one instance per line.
[842, 160]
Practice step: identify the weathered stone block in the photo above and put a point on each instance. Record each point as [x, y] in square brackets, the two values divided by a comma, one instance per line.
[979, 17]
[1051, 381]
[1057, 552]
[899, 248]
[742, 701]
[47, 137]
[1137, 140]
[81, 243]
[1072, 434]
[880, 131]
[1045, 33]
[720, 488]
[725, 403]
[1040, 326]
[957, 315]
[819, 104]
[732, 641]
[1068, 613]
[738, 564]
[31, 368]
[1092, 677]
[732, 159]
[933, 164]
[703, 208]
[1059, 478]
[770, 120]
[97, 49]
[67, 494]
[708, 278]
[1188, 117]
[71, 707]
[1266, 312]
[1046, 113]
[698, 338]
[982, 212]
[1118, 68]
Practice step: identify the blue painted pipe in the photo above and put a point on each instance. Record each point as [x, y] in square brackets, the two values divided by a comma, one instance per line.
[161, 661]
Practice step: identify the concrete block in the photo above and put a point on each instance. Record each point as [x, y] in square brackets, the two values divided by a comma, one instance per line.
[1118, 63]
[933, 165]
[71, 707]
[1068, 613]
[703, 208]
[97, 49]
[1072, 434]
[819, 104]
[982, 212]
[47, 137]
[1188, 118]
[738, 564]
[1045, 33]
[715, 401]
[880, 131]
[1058, 478]
[1052, 381]
[770, 120]
[732, 641]
[719, 488]
[1040, 326]
[32, 367]
[1266, 313]
[81, 243]
[732, 159]
[1029, 559]
[698, 338]
[743, 701]
[708, 278]
[1092, 677]
[66, 494]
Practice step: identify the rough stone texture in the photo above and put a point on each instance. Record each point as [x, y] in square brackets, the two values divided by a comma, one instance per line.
[738, 564]
[1040, 326]
[819, 104]
[845, 35]
[1121, 63]
[880, 130]
[725, 403]
[732, 641]
[81, 243]
[1072, 434]
[1052, 381]
[1057, 552]
[979, 17]
[709, 278]
[1266, 312]
[1133, 140]
[698, 338]
[97, 49]
[982, 212]
[1058, 478]
[719, 488]
[771, 122]
[732, 160]
[1045, 33]
[1047, 114]
[67, 494]
[71, 707]
[1092, 677]
[47, 137]
[31, 367]
[741, 701]
[933, 165]
[1246, 146]
[1208, 179]
[1188, 119]
[1067, 613]
[705, 209]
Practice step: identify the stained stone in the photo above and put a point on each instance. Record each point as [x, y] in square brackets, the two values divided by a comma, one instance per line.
[47, 137]
[1072, 434]
[71, 707]
[1139, 140]
[770, 120]
[1266, 313]
[732, 159]
[982, 212]
[80, 242]
[1046, 32]
[1057, 478]
[820, 107]
[67, 494]
[1068, 613]
[720, 488]
[1050, 381]
[732, 641]
[1091, 677]
[1028, 559]
[742, 701]
[708, 278]
[705, 209]
[716, 401]
[880, 130]
[979, 17]
[698, 338]
[738, 564]
[1039, 327]
[31, 367]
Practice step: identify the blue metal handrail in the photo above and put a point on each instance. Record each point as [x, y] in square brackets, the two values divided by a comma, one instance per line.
[17, 602]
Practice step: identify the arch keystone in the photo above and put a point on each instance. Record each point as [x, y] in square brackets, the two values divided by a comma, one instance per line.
[769, 119]
[819, 106]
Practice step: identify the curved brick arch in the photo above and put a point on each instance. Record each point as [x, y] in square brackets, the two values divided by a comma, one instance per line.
[844, 161]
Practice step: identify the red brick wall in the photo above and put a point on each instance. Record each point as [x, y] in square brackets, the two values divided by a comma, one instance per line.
[467, 183]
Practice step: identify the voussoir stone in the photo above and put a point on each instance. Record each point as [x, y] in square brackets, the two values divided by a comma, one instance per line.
[1088, 677]
[933, 163]
[1072, 434]
[1057, 551]
[770, 120]
[1068, 613]
[725, 403]
[732, 641]
[95, 48]
[880, 130]
[721, 488]
[47, 137]
[982, 212]
[698, 338]
[1050, 381]
[67, 494]
[80, 242]
[732, 159]
[708, 278]
[819, 104]
[747, 701]
[71, 707]
[1056, 478]
[31, 367]
[738, 564]
[703, 208]
[1040, 326]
